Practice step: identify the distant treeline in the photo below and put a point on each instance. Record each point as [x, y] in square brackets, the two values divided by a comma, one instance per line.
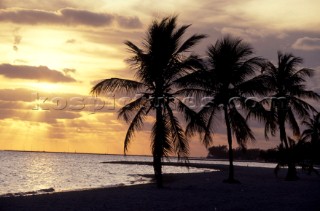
[302, 153]
[221, 152]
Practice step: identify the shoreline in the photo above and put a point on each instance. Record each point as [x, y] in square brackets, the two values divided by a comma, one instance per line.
[147, 177]
[206, 159]
[259, 189]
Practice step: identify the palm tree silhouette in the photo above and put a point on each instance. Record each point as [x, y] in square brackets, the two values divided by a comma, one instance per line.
[311, 134]
[312, 131]
[288, 90]
[157, 65]
[228, 78]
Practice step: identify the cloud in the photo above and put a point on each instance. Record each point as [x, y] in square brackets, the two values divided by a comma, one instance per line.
[307, 44]
[71, 41]
[25, 95]
[41, 73]
[129, 22]
[12, 105]
[48, 117]
[68, 70]
[251, 34]
[85, 17]
[16, 39]
[66, 16]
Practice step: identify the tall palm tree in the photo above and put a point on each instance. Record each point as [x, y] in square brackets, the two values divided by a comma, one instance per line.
[163, 58]
[228, 79]
[287, 101]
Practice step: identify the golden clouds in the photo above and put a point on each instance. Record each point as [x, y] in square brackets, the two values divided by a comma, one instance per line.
[280, 14]
[59, 47]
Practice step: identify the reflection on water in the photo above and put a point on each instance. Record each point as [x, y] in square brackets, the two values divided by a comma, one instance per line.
[30, 173]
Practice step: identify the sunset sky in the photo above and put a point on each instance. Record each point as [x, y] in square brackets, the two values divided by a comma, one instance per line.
[59, 49]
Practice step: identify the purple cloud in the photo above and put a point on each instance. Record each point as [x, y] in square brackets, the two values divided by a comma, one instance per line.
[66, 16]
[307, 44]
[41, 73]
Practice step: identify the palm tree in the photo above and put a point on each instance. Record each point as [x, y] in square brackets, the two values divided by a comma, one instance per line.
[228, 79]
[288, 92]
[311, 134]
[157, 65]
[312, 131]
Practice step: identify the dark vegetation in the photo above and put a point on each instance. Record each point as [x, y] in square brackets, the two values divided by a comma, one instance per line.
[303, 154]
[165, 69]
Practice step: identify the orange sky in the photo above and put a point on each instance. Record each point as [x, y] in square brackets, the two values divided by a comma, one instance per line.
[56, 50]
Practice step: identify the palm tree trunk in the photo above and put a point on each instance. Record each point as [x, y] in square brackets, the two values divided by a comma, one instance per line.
[283, 134]
[292, 172]
[230, 151]
[157, 153]
[157, 166]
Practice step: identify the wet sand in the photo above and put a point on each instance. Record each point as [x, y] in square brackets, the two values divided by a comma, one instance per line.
[259, 190]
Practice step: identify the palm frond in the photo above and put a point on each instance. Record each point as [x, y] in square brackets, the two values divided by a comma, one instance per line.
[195, 121]
[189, 43]
[198, 79]
[248, 68]
[117, 85]
[301, 107]
[160, 137]
[134, 49]
[135, 124]
[127, 111]
[254, 86]
[181, 145]
[176, 36]
[180, 67]
[306, 94]
[240, 128]
[268, 117]
[293, 123]
[207, 138]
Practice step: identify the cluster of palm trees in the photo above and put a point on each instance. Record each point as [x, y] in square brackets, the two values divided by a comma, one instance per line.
[165, 69]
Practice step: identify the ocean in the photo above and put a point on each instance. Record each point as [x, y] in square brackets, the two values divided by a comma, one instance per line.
[28, 173]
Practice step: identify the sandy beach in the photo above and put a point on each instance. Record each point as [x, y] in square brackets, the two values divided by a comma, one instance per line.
[259, 190]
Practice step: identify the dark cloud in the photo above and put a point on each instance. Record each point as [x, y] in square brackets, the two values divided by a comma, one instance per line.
[41, 73]
[307, 44]
[24, 16]
[129, 22]
[39, 4]
[66, 16]
[84, 17]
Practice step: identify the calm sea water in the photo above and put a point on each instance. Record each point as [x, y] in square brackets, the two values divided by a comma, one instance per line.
[24, 173]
